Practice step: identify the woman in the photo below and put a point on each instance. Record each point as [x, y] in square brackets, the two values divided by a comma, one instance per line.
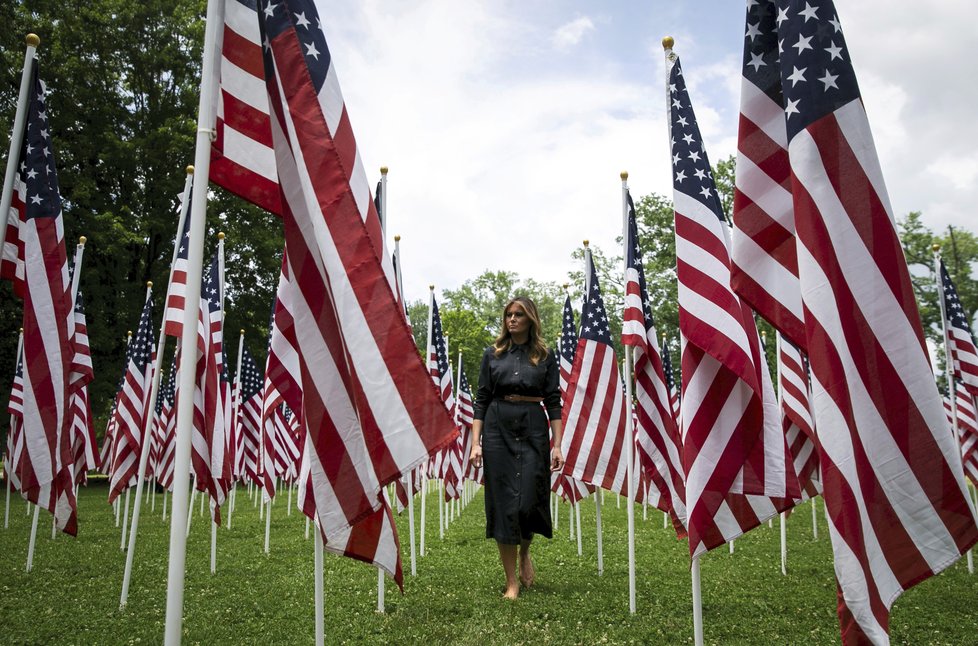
[518, 373]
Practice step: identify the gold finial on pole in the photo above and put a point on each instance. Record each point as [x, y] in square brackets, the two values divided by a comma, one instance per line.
[242, 330]
[33, 40]
[220, 235]
[397, 238]
[668, 42]
[149, 284]
[190, 170]
[431, 287]
[383, 170]
[624, 175]
[587, 242]
[82, 240]
[935, 247]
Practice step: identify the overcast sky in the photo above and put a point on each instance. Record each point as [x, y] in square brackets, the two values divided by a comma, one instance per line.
[505, 124]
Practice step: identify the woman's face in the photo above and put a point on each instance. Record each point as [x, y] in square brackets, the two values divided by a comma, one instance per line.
[517, 322]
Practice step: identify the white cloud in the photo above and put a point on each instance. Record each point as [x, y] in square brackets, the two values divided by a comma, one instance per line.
[571, 33]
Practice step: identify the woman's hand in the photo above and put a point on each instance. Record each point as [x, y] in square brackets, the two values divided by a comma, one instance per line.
[475, 456]
[556, 459]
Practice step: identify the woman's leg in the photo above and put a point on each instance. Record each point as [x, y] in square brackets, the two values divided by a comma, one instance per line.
[507, 554]
[527, 573]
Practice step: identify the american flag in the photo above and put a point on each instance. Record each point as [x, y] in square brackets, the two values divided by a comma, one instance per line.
[46, 465]
[566, 487]
[82, 425]
[449, 461]
[594, 403]
[165, 425]
[967, 430]
[734, 451]
[796, 416]
[15, 435]
[132, 407]
[176, 292]
[281, 383]
[242, 155]
[249, 417]
[568, 346]
[670, 379]
[964, 355]
[465, 415]
[656, 432]
[210, 461]
[369, 414]
[878, 412]
[764, 262]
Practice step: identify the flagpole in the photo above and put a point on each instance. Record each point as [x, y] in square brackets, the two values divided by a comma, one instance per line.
[397, 267]
[783, 515]
[597, 492]
[383, 202]
[629, 428]
[17, 135]
[427, 359]
[236, 419]
[33, 539]
[220, 300]
[952, 392]
[410, 496]
[697, 603]
[318, 576]
[176, 568]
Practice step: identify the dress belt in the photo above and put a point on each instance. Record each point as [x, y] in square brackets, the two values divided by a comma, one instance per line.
[523, 398]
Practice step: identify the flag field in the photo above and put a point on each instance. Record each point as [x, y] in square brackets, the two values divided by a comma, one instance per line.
[72, 595]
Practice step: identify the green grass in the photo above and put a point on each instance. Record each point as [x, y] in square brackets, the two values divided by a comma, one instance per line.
[72, 595]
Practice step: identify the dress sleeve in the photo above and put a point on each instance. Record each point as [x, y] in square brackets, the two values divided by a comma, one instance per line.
[483, 396]
[551, 387]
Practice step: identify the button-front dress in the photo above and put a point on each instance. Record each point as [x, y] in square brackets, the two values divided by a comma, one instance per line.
[516, 442]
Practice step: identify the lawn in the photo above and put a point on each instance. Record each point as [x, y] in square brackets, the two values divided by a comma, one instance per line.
[72, 595]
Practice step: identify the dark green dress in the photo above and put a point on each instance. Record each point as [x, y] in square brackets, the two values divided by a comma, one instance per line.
[516, 442]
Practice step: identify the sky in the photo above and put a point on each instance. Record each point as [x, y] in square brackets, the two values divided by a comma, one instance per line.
[506, 123]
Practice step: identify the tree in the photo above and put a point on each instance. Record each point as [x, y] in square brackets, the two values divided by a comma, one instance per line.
[123, 83]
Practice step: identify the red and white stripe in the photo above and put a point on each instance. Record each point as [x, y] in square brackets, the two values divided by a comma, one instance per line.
[967, 430]
[242, 155]
[796, 417]
[656, 432]
[764, 263]
[878, 412]
[368, 412]
[594, 410]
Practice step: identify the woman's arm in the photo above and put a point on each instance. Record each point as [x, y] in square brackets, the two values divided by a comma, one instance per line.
[483, 396]
[475, 455]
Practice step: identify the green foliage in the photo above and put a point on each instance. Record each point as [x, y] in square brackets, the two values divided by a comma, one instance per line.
[123, 83]
[72, 596]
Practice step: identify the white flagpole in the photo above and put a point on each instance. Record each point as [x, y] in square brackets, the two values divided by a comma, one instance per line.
[397, 269]
[33, 539]
[6, 510]
[783, 515]
[598, 493]
[383, 202]
[268, 525]
[815, 518]
[410, 497]
[164, 504]
[125, 519]
[17, 135]
[213, 542]
[190, 507]
[320, 629]
[176, 568]
[424, 497]
[236, 417]
[629, 430]
[577, 523]
[697, 603]
[307, 528]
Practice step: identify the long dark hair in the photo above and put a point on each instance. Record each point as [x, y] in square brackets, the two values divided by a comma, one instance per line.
[538, 349]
